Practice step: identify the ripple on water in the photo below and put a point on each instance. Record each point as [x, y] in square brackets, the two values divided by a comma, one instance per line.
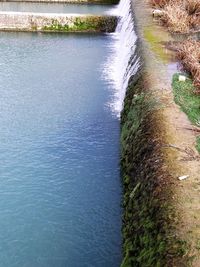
[59, 152]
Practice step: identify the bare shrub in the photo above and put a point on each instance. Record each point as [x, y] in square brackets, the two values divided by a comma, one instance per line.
[159, 3]
[176, 18]
[195, 21]
[189, 54]
[192, 6]
[179, 15]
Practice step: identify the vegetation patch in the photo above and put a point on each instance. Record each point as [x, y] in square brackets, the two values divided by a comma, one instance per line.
[185, 96]
[85, 24]
[156, 43]
[149, 216]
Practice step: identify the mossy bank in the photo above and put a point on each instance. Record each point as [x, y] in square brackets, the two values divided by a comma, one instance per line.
[149, 216]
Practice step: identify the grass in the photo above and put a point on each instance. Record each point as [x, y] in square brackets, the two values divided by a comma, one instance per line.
[185, 97]
[149, 215]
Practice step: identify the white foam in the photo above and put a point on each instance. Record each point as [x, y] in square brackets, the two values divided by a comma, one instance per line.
[121, 64]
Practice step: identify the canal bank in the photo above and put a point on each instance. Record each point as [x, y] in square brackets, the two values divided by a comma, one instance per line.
[161, 213]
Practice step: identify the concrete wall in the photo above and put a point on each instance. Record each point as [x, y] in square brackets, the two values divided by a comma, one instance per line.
[25, 21]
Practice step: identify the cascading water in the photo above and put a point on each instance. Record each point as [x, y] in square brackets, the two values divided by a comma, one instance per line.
[123, 62]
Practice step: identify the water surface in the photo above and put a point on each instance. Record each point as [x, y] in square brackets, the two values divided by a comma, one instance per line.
[54, 8]
[59, 152]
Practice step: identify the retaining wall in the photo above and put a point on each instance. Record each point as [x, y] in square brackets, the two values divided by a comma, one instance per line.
[25, 21]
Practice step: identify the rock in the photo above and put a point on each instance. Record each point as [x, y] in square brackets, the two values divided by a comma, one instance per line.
[158, 13]
[182, 78]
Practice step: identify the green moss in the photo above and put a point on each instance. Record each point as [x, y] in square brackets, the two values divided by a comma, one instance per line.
[188, 101]
[148, 214]
[79, 24]
[155, 39]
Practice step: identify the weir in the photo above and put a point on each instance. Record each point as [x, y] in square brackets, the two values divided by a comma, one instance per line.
[125, 62]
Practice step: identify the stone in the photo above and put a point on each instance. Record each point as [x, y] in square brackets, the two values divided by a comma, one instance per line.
[182, 78]
[158, 13]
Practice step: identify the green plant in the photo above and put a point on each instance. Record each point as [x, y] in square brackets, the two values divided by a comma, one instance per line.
[147, 219]
[185, 97]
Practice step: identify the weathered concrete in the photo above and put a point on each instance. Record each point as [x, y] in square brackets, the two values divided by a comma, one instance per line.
[25, 21]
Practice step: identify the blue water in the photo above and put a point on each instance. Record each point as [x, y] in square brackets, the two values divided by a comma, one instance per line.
[59, 152]
[55, 8]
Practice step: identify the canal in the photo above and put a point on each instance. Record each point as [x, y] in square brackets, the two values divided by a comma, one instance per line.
[60, 189]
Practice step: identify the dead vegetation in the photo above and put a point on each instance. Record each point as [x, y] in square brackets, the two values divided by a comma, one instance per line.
[178, 15]
[183, 16]
[176, 18]
[188, 53]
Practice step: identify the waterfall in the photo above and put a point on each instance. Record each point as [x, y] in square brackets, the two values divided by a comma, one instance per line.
[123, 63]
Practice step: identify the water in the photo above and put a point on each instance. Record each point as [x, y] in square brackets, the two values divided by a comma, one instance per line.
[60, 189]
[53, 8]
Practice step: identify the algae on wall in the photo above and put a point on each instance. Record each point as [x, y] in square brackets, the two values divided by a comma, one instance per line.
[148, 239]
[84, 24]
[20, 21]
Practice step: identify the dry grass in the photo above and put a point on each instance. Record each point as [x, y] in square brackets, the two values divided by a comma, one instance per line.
[159, 3]
[176, 18]
[195, 22]
[192, 6]
[179, 16]
[189, 54]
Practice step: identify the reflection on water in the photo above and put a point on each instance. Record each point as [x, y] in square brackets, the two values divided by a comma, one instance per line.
[55, 8]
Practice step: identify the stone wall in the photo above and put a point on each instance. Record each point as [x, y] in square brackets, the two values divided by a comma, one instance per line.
[25, 21]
